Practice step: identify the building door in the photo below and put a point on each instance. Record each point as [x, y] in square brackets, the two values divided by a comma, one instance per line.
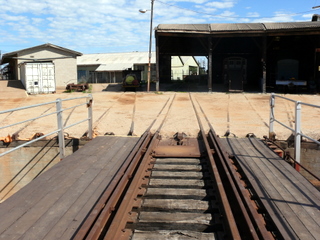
[235, 69]
[47, 83]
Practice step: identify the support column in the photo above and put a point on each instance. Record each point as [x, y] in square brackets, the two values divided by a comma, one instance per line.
[157, 64]
[264, 64]
[210, 65]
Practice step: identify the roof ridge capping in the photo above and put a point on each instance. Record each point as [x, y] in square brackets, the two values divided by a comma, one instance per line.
[291, 25]
[184, 27]
[218, 27]
[237, 27]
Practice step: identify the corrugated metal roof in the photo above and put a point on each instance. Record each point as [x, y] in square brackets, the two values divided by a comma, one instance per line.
[114, 67]
[292, 25]
[115, 61]
[214, 27]
[184, 27]
[236, 27]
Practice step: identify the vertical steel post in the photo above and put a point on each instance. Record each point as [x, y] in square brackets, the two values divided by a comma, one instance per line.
[210, 65]
[89, 105]
[60, 128]
[150, 45]
[297, 135]
[271, 120]
[264, 64]
[157, 63]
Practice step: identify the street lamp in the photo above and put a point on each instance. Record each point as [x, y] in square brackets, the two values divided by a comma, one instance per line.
[150, 44]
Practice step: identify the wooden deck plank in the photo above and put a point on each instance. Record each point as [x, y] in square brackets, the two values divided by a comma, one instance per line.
[280, 191]
[61, 206]
[65, 228]
[303, 206]
[41, 194]
[173, 235]
[308, 189]
[265, 189]
[56, 186]
[56, 172]
[38, 190]
[63, 190]
[290, 195]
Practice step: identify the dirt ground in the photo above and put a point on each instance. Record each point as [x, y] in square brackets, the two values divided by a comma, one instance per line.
[115, 110]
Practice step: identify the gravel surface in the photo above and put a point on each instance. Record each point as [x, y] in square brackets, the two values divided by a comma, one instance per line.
[114, 111]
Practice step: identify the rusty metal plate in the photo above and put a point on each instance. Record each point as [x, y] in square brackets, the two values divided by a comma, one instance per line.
[189, 147]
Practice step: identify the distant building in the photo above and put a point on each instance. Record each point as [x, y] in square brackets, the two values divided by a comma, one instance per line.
[279, 56]
[182, 66]
[108, 67]
[40, 66]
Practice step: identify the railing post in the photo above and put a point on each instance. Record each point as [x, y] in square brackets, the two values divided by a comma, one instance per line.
[271, 120]
[60, 128]
[297, 135]
[90, 125]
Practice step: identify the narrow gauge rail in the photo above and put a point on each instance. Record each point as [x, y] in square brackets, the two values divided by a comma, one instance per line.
[178, 188]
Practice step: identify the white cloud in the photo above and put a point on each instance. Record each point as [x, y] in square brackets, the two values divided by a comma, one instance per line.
[108, 25]
[278, 17]
[222, 4]
[191, 1]
[253, 14]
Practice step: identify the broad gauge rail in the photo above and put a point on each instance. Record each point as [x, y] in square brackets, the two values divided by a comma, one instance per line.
[177, 188]
[152, 187]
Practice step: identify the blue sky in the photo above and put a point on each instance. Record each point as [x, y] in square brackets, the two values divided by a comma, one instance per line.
[105, 26]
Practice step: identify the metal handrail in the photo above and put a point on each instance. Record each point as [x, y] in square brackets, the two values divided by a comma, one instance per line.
[61, 127]
[297, 129]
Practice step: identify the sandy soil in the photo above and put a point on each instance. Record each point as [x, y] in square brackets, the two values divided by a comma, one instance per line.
[240, 113]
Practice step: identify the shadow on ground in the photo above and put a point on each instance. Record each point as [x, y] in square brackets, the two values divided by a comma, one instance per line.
[167, 87]
[14, 84]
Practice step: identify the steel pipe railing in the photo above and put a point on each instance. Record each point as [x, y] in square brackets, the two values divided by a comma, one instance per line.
[297, 132]
[61, 127]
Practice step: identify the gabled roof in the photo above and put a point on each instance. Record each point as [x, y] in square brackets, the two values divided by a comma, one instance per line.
[7, 56]
[45, 45]
[115, 61]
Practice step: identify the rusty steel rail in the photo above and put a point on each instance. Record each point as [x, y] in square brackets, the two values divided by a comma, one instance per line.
[117, 229]
[242, 218]
[104, 210]
[110, 217]
[229, 219]
[249, 221]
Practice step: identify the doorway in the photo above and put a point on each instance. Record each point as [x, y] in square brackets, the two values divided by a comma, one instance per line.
[235, 71]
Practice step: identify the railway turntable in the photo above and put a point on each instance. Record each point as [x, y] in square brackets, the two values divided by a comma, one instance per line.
[290, 200]
[152, 188]
[156, 187]
[55, 204]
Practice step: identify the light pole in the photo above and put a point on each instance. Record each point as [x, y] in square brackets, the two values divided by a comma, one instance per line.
[150, 44]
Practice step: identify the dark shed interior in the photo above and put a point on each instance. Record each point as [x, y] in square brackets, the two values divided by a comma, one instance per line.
[256, 57]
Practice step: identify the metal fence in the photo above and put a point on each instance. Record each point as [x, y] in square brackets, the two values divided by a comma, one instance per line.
[297, 131]
[59, 114]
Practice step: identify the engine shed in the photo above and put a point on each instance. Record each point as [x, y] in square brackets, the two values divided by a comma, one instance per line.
[260, 57]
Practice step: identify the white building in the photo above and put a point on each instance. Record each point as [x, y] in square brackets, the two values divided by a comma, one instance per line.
[34, 66]
[182, 66]
[109, 67]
